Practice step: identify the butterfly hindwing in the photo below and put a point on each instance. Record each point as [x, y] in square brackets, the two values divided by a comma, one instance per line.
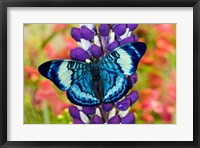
[73, 76]
[124, 59]
[82, 93]
[115, 85]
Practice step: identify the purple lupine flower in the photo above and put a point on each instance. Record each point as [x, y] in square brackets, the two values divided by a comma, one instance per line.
[112, 46]
[132, 79]
[96, 51]
[86, 33]
[79, 54]
[93, 45]
[104, 30]
[97, 120]
[132, 26]
[89, 110]
[107, 107]
[127, 40]
[123, 105]
[114, 120]
[75, 33]
[133, 97]
[119, 29]
[128, 119]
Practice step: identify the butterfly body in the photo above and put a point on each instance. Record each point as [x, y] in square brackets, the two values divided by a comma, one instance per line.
[96, 80]
[104, 80]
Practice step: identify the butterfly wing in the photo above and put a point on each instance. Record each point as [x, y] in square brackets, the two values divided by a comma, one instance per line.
[124, 59]
[115, 65]
[73, 76]
[81, 93]
[114, 85]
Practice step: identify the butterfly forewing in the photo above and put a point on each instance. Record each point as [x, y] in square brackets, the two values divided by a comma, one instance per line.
[124, 59]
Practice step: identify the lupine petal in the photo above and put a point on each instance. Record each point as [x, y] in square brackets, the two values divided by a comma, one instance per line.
[104, 29]
[114, 120]
[128, 119]
[123, 113]
[125, 35]
[132, 79]
[107, 107]
[78, 121]
[112, 113]
[96, 51]
[112, 46]
[74, 112]
[75, 33]
[111, 37]
[85, 44]
[98, 112]
[79, 54]
[123, 105]
[88, 110]
[84, 117]
[133, 97]
[97, 120]
[91, 27]
[97, 41]
[127, 40]
[132, 26]
[86, 33]
[119, 29]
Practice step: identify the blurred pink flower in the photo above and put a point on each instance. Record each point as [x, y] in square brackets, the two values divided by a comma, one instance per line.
[49, 51]
[164, 45]
[47, 93]
[30, 73]
[165, 28]
[59, 27]
[155, 80]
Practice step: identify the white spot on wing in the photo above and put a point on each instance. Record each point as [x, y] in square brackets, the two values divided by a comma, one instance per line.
[64, 75]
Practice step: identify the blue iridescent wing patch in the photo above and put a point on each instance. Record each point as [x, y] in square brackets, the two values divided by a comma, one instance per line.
[115, 85]
[124, 59]
[73, 76]
[115, 65]
[82, 93]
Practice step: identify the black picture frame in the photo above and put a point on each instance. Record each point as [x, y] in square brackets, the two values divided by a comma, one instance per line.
[4, 4]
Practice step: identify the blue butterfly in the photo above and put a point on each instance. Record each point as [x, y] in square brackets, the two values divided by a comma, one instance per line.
[104, 80]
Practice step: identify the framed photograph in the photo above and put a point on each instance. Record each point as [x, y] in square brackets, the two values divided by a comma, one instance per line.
[110, 74]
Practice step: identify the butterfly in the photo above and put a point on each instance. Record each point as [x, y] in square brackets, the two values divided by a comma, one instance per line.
[104, 80]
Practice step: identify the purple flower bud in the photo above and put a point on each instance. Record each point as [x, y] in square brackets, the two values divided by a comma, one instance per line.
[114, 120]
[132, 26]
[112, 46]
[78, 121]
[88, 110]
[79, 54]
[133, 97]
[96, 51]
[86, 33]
[123, 105]
[119, 29]
[127, 40]
[104, 29]
[132, 79]
[107, 107]
[74, 112]
[128, 119]
[97, 120]
[75, 33]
